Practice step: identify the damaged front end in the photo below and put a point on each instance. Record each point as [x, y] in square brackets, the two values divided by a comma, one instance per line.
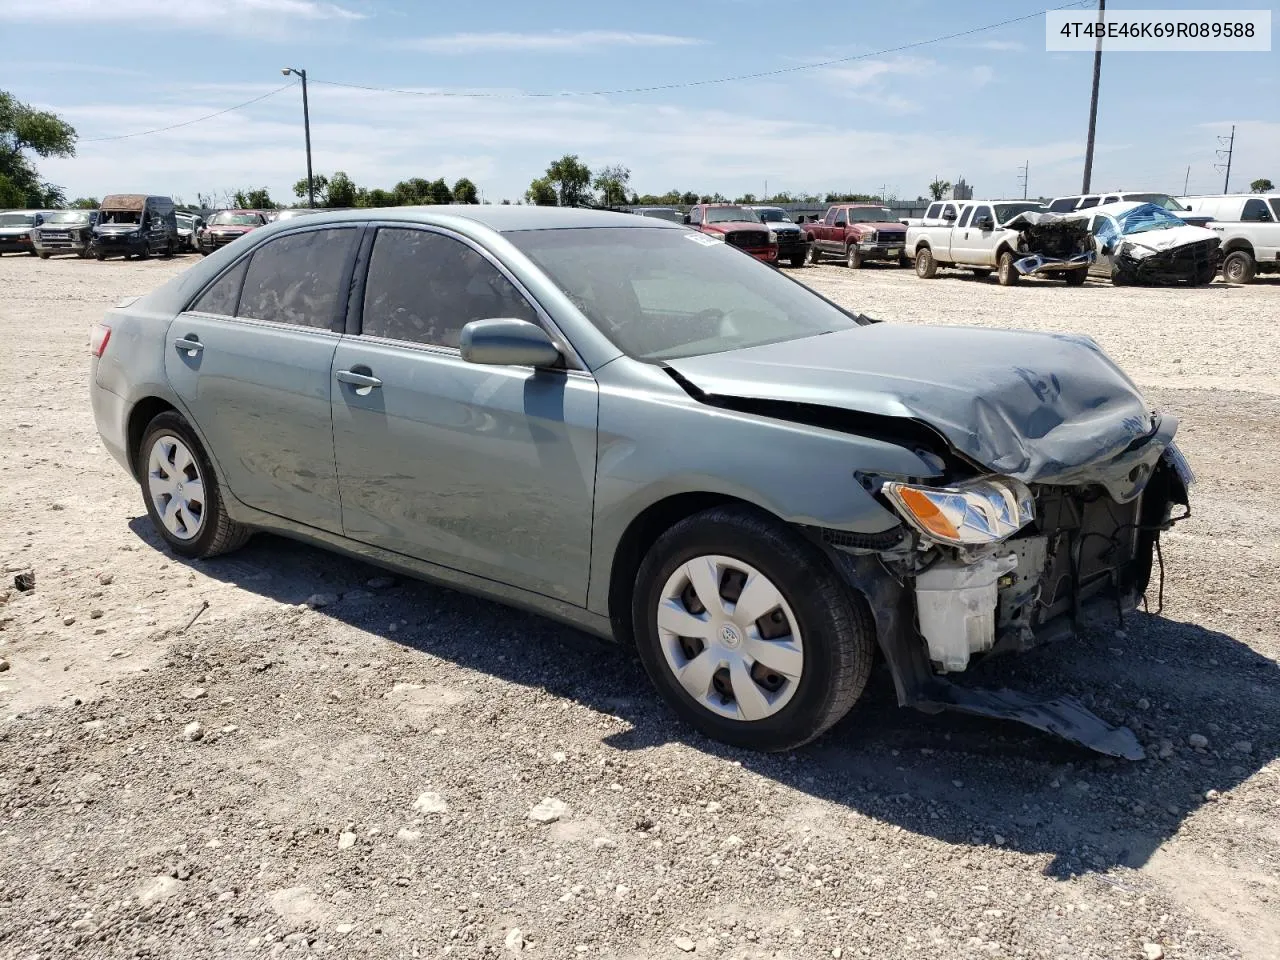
[994, 565]
[1051, 244]
[1189, 263]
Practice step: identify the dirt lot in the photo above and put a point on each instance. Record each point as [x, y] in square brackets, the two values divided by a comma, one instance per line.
[365, 771]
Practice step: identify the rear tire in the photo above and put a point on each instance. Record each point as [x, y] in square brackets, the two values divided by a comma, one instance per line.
[805, 612]
[1007, 273]
[926, 266]
[1076, 278]
[99, 255]
[1239, 267]
[181, 491]
[42, 255]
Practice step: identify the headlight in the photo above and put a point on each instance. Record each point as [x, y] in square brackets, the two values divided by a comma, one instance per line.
[982, 511]
[773, 236]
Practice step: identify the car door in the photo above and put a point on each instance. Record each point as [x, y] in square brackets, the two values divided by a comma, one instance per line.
[1263, 229]
[485, 469]
[251, 362]
[834, 235]
[1106, 236]
[978, 236]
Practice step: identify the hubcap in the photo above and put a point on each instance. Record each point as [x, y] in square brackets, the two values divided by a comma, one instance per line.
[730, 638]
[176, 487]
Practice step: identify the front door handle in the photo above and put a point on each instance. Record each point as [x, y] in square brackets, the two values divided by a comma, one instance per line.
[358, 379]
[189, 345]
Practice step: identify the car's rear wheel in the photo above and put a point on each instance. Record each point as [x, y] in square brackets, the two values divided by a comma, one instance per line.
[99, 255]
[926, 265]
[1239, 267]
[1007, 273]
[748, 632]
[853, 257]
[1076, 278]
[181, 491]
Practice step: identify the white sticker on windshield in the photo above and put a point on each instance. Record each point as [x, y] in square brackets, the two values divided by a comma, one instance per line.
[701, 238]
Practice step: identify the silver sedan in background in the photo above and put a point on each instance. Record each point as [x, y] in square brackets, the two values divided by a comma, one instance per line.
[631, 427]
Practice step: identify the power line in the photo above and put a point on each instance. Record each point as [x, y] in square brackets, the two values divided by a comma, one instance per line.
[187, 123]
[703, 83]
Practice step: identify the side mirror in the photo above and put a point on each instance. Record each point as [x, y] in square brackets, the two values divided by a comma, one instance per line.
[986, 223]
[688, 219]
[507, 341]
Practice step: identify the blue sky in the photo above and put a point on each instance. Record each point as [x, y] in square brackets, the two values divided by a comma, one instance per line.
[978, 106]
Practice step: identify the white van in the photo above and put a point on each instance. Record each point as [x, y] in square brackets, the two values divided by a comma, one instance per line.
[1249, 225]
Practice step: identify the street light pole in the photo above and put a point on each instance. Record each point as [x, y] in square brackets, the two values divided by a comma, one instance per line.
[1093, 100]
[306, 126]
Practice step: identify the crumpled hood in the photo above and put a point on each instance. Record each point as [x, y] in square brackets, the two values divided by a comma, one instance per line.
[1158, 241]
[1035, 406]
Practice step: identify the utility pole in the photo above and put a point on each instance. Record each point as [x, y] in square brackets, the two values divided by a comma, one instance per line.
[306, 126]
[1093, 101]
[1024, 174]
[1186, 180]
[1231, 145]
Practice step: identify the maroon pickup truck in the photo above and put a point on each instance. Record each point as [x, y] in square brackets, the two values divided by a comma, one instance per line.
[856, 232]
[737, 226]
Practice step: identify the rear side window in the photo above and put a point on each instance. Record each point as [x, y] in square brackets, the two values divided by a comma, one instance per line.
[934, 210]
[1275, 208]
[298, 278]
[425, 287]
[1088, 202]
[1255, 211]
[1063, 205]
[223, 297]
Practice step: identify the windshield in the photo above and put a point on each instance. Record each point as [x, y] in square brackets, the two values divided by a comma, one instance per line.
[1007, 211]
[870, 215]
[659, 294]
[68, 216]
[228, 219]
[773, 215]
[1159, 199]
[1147, 217]
[730, 214]
[17, 220]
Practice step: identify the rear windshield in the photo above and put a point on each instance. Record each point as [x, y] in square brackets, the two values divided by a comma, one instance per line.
[228, 219]
[659, 294]
[17, 220]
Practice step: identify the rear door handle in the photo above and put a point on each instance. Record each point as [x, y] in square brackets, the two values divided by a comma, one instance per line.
[190, 345]
[357, 379]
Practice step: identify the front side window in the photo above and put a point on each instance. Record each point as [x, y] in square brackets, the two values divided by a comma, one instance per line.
[1104, 228]
[223, 296]
[298, 278]
[979, 213]
[1275, 207]
[424, 287]
[661, 294]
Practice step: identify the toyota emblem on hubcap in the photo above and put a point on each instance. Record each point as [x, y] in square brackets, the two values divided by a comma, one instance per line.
[729, 635]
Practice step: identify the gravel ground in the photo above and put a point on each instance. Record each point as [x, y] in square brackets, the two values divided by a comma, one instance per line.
[409, 772]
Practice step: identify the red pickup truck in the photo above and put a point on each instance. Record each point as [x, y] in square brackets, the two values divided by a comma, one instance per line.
[737, 226]
[856, 232]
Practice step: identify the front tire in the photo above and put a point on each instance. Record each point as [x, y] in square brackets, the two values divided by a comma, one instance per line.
[748, 632]
[1076, 278]
[800, 259]
[926, 265]
[1007, 273]
[853, 258]
[42, 255]
[1239, 267]
[181, 491]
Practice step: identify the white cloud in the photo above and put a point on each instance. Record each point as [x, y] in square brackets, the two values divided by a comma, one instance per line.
[579, 41]
[171, 12]
[867, 73]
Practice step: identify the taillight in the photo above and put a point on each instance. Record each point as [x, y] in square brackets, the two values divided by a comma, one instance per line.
[98, 339]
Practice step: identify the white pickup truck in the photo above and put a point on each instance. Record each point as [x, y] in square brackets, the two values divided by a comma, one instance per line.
[1250, 231]
[1012, 237]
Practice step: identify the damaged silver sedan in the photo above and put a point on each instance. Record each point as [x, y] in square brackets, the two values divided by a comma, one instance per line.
[615, 422]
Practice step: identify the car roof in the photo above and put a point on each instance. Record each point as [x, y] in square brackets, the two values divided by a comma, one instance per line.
[502, 218]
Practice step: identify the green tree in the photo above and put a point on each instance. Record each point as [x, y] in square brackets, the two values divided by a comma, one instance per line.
[464, 191]
[571, 179]
[377, 197]
[85, 203]
[939, 187]
[612, 182]
[714, 198]
[259, 199]
[541, 192]
[23, 131]
[746, 198]
[412, 192]
[342, 191]
[319, 182]
[439, 192]
[1262, 185]
[688, 198]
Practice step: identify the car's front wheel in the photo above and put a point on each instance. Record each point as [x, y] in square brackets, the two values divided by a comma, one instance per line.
[1007, 273]
[853, 257]
[748, 632]
[181, 491]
